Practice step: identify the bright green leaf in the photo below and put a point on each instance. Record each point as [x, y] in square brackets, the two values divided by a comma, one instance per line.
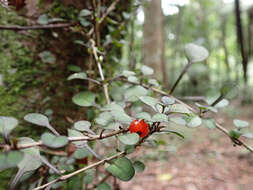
[122, 168]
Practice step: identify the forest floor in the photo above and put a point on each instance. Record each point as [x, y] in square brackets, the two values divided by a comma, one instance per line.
[206, 161]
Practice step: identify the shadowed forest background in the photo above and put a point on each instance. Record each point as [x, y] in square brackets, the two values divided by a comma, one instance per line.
[36, 65]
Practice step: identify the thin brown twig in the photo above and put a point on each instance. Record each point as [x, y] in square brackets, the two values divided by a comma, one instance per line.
[67, 176]
[71, 139]
[105, 85]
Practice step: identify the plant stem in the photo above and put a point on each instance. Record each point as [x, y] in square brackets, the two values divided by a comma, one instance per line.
[180, 77]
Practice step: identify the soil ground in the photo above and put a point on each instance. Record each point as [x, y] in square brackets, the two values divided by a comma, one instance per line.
[205, 161]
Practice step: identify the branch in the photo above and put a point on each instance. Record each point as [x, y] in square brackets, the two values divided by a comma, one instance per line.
[110, 8]
[218, 126]
[37, 27]
[71, 139]
[120, 154]
[105, 85]
[67, 176]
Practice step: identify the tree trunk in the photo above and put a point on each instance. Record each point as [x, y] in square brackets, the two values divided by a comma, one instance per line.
[153, 44]
[240, 40]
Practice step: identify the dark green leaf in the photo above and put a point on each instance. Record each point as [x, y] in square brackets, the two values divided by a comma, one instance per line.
[235, 134]
[139, 166]
[103, 186]
[122, 168]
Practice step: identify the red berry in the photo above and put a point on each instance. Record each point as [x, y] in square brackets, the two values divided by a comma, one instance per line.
[139, 126]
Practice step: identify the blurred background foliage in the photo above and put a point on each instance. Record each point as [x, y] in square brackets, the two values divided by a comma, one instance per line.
[34, 65]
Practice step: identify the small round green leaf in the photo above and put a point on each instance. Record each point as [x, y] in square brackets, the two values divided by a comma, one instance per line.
[134, 92]
[81, 153]
[240, 123]
[113, 107]
[7, 124]
[43, 19]
[85, 12]
[132, 79]
[153, 82]
[143, 115]
[248, 135]
[88, 178]
[82, 125]
[53, 141]
[31, 160]
[235, 133]
[129, 139]
[195, 53]
[179, 108]
[159, 117]
[84, 99]
[10, 159]
[37, 119]
[139, 166]
[103, 186]
[149, 101]
[127, 73]
[122, 168]
[129, 149]
[178, 120]
[209, 123]
[81, 75]
[47, 57]
[194, 122]
[167, 101]
[104, 118]
[121, 117]
[146, 70]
